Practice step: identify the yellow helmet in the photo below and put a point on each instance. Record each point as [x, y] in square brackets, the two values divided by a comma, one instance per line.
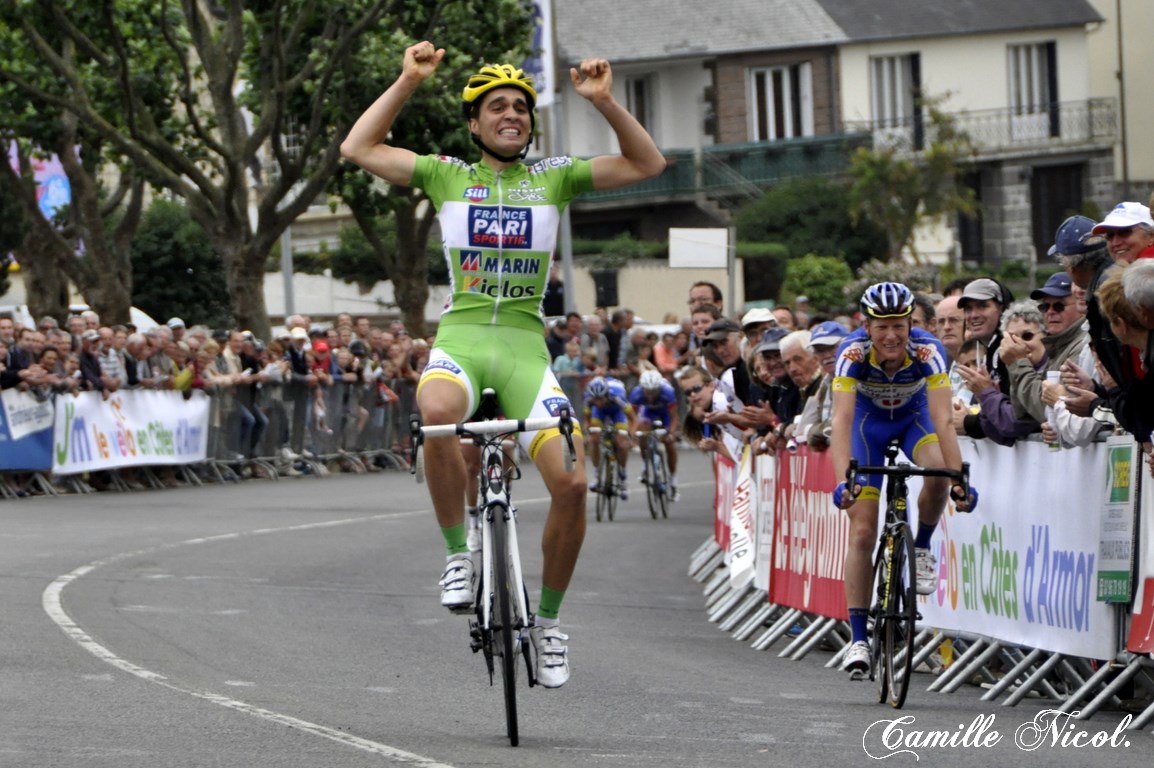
[496, 76]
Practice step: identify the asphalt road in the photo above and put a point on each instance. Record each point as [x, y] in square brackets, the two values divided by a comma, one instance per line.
[296, 623]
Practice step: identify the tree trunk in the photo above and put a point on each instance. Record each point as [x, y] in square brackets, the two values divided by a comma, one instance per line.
[411, 279]
[45, 285]
[244, 273]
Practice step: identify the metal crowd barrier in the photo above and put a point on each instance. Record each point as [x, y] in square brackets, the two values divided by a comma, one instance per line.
[272, 431]
[1080, 687]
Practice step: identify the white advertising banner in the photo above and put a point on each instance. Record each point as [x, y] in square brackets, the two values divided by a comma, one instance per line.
[25, 413]
[765, 492]
[132, 428]
[741, 525]
[1023, 567]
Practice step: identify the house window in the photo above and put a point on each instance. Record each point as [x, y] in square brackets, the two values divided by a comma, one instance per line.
[639, 101]
[1033, 85]
[782, 102]
[895, 87]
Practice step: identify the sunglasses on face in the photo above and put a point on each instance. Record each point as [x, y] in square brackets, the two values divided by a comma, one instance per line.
[1123, 233]
[1057, 306]
[694, 389]
[1027, 335]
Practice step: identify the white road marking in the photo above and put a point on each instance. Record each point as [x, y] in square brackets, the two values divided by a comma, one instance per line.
[53, 604]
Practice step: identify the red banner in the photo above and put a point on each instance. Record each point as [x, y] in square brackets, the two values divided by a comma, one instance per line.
[810, 537]
[1141, 638]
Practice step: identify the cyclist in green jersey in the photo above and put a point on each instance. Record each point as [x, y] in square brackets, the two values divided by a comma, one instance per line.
[498, 222]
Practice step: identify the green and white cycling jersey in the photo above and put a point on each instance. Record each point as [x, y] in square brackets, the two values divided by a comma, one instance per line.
[499, 232]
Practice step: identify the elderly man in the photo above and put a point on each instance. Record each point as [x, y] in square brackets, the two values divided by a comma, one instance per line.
[804, 370]
[1064, 340]
[951, 325]
[815, 424]
[1138, 284]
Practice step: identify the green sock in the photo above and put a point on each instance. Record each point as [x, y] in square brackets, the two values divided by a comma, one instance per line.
[456, 540]
[550, 603]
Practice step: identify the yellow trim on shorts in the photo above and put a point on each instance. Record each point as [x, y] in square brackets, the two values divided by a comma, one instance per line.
[869, 493]
[436, 374]
[545, 435]
[931, 437]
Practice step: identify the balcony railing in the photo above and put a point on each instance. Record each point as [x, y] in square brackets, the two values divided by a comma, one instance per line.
[1059, 125]
[729, 170]
[741, 170]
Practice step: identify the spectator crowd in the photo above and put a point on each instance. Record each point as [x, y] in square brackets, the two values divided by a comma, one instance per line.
[1068, 365]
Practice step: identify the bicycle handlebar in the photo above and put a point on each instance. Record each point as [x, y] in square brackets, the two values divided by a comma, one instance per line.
[563, 423]
[908, 470]
[496, 427]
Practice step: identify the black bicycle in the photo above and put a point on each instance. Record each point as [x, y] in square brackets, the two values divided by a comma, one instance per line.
[655, 475]
[895, 609]
[503, 616]
[609, 489]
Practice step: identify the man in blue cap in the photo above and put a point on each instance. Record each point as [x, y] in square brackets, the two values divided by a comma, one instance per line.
[1064, 340]
[1086, 259]
[815, 424]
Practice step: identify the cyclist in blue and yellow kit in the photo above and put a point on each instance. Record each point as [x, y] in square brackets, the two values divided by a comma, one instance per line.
[607, 407]
[655, 400]
[890, 382]
[498, 220]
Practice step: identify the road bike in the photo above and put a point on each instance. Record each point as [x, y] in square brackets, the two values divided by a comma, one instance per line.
[895, 610]
[503, 616]
[655, 472]
[609, 488]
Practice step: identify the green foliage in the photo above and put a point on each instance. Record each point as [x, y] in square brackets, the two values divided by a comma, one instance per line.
[355, 260]
[920, 278]
[822, 279]
[810, 215]
[176, 270]
[898, 187]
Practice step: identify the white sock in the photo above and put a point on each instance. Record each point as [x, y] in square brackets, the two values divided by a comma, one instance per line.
[540, 621]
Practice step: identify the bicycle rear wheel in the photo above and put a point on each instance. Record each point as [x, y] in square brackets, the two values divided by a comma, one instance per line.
[901, 617]
[505, 636]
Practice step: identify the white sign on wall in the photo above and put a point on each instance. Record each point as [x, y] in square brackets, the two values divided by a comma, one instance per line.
[698, 247]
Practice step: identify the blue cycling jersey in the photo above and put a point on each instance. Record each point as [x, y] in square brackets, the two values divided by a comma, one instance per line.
[889, 407]
[658, 408]
[615, 409]
[858, 370]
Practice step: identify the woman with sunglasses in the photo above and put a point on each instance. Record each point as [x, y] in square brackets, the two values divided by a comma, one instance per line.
[1003, 419]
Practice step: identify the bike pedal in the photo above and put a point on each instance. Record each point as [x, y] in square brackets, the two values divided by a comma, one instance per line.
[857, 675]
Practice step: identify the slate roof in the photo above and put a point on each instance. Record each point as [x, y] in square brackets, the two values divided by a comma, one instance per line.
[648, 30]
[892, 19]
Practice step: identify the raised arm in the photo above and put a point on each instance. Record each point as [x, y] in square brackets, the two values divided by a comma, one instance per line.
[640, 159]
[364, 144]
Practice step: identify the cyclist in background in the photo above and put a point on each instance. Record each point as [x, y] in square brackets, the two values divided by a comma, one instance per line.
[890, 383]
[654, 399]
[498, 220]
[607, 407]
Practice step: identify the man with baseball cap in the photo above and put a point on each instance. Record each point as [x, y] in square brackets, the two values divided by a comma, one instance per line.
[816, 416]
[1084, 254]
[1064, 338]
[755, 322]
[1128, 231]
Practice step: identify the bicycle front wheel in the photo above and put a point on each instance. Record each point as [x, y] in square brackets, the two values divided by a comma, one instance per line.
[661, 475]
[505, 635]
[604, 488]
[901, 617]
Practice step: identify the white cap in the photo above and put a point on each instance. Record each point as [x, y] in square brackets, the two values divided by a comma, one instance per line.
[1123, 216]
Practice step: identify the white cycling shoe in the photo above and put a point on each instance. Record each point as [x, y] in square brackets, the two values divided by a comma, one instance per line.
[552, 655]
